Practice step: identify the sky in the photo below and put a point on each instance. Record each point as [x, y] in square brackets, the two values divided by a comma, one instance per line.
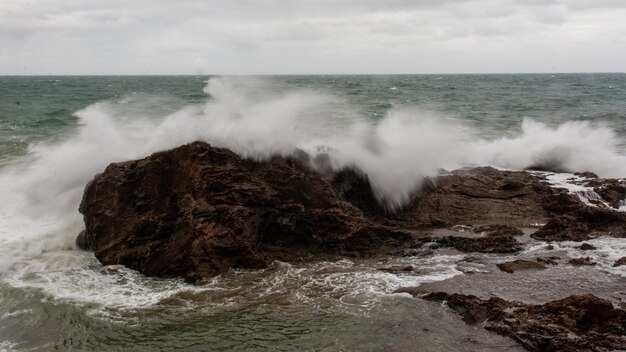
[311, 36]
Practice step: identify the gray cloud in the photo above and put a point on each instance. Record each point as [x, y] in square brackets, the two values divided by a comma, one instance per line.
[307, 36]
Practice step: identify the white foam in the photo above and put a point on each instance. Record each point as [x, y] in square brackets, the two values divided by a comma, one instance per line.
[608, 251]
[7, 346]
[77, 277]
[575, 184]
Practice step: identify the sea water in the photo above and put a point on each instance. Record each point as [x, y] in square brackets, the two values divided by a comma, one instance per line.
[56, 133]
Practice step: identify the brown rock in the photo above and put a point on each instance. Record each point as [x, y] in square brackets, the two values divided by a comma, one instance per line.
[548, 260]
[488, 244]
[481, 195]
[621, 261]
[575, 323]
[197, 211]
[583, 224]
[520, 264]
[612, 191]
[398, 269]
[582, 261]
[587, 247]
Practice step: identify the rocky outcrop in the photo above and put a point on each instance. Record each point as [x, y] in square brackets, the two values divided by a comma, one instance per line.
[575, 323]
[486, 244]
[481, 195]
[197, 211]
[583, 224]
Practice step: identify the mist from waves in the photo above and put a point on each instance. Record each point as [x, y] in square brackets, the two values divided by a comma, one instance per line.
[248, 115]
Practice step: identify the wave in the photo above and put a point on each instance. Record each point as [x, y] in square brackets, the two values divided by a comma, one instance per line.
[257, 120]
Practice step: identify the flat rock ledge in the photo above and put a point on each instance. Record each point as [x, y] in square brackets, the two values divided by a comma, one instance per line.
[575, 323]
[197, 211]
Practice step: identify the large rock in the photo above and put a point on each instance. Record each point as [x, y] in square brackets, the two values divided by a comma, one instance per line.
[575, 323]
[583, 224]
[197, 211]
[485, 195]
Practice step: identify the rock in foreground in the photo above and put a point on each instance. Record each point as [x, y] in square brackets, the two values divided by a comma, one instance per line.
[197, 211]
[575, 323]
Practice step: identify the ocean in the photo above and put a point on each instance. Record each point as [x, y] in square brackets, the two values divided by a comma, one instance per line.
[57, 132]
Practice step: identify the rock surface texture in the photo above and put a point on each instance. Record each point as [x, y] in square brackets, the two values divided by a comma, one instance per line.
[575, 323]
[196, 211]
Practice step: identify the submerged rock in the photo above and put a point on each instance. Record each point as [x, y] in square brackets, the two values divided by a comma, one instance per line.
[575, 323]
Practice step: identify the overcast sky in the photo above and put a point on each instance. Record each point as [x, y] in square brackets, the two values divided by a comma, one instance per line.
[311, 36]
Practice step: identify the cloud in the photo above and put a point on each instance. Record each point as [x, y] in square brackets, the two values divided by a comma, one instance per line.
[307, 36]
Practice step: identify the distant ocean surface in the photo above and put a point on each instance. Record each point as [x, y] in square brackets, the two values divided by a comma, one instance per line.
[56, 133]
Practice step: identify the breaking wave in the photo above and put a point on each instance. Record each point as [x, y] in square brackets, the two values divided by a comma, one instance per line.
[257, 120]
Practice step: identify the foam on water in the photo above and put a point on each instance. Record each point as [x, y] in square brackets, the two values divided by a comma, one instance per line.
[41, 194]
[608, 250]
[6, 346]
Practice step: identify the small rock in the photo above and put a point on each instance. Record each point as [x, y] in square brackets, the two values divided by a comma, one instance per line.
[586, 247]
[398, 269]
[621, 261]
[520, 264]
[582, 261]
[586, 174]
[548, 260]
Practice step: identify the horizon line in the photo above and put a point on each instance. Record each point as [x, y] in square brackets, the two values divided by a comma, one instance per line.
[306, 74]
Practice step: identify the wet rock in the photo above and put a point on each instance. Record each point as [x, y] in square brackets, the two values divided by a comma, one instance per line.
[612, 191]
[582, 225]
[582, 261]
[196, 211]
[354, 186]
[587, 247]
[398, 269]
[495, 239]
[575, 323]
[586, 174]
[480, 195]
[500, 244]
[520, 264]
[498, 230]
[548, 260]
[621, 261]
